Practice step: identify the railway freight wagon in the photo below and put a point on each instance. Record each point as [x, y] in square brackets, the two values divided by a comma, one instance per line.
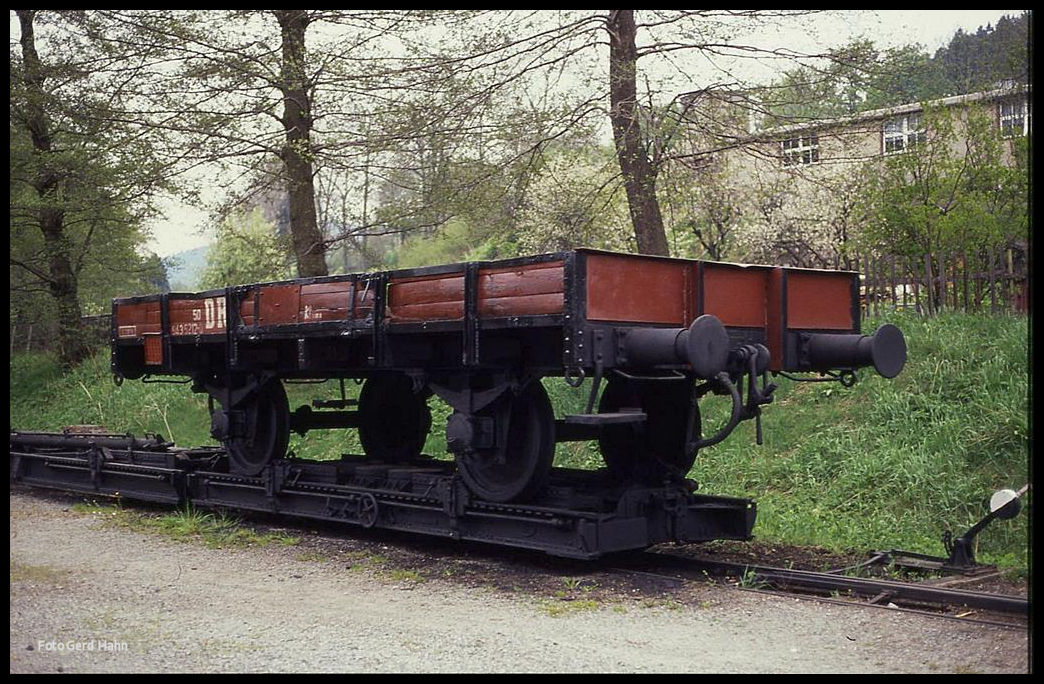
[650, 335]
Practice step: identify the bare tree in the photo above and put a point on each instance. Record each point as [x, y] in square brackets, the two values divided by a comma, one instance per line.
[238, 88]
[425, 107]
[298, 150]
[496, 50]
[639, 174]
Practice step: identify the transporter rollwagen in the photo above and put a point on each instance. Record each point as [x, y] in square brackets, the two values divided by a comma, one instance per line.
[645, 339]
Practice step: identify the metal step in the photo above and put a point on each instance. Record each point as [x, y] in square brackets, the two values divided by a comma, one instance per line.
[621, 417]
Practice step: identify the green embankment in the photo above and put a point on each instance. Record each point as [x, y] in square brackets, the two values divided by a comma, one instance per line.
[884, 464]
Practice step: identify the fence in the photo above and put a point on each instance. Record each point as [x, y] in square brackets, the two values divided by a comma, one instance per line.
[43, 335]
[995, 281]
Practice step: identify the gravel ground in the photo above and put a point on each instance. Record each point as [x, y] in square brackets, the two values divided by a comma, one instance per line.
[143, 603]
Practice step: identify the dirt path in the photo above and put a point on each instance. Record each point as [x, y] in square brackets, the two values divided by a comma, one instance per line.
[141, 603]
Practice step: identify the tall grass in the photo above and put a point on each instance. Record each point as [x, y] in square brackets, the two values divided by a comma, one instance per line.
[884, 464]
[894, 463]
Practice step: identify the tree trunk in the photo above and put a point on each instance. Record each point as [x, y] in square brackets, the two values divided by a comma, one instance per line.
[61, 278]
[298, 152]
[638, 172]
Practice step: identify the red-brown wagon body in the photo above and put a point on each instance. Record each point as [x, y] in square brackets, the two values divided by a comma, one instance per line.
[481, 334]
[572, 293]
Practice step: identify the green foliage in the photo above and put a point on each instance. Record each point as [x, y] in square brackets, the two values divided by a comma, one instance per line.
[78, 159]
[978, 61]
[570, 199]
[246, 250]
[860, 77]
[703, 210]
[44, 398]
[951, 192]
[855, 77]
[30, 372]
[575, 201]
[456, 241]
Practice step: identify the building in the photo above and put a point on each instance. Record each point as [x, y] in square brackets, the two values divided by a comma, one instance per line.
[792, 193]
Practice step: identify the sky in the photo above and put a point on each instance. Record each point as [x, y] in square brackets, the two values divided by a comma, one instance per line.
[931, 28]
[181, 228]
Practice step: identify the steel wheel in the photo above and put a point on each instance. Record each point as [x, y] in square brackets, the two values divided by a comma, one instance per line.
[393, 420]
[655, 452]
[266, 431]
[518, 466]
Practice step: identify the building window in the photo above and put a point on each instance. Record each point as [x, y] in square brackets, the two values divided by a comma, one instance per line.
[903, 132]
[803, 149]
[1013, 118]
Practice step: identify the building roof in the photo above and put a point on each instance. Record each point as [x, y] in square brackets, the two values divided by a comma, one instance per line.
[888, 112]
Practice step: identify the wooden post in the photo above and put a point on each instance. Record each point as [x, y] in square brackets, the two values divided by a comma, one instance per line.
[929, 286]
[941, 278]
[876, 266]
[880, 278]
[871, 270]
[993, 288]
[967, 291]
[977, 281]
[906, 284]
[1006, 280]
[912, 269]
[891, 281]
[864, 307]
[1010, 280]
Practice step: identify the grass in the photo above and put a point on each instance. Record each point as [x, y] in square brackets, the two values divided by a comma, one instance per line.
[38, 574]
[405, 575]
[187, 524]
[894, 463]
[884, 464]
[313, 557]
[560, 607]
[750, 580]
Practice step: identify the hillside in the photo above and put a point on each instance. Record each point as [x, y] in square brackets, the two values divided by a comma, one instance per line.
[884, 464]
[184, 268]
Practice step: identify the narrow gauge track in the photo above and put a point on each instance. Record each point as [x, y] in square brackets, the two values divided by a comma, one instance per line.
[919, 597]
[580, 514]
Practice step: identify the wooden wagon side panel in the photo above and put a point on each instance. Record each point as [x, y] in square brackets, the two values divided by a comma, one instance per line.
[190, 316]
[737, 295]
[821, 300]
[426, 298]
[282, 304]
[135, 319]
[635, 289]
[332, 301]
[530, 289]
